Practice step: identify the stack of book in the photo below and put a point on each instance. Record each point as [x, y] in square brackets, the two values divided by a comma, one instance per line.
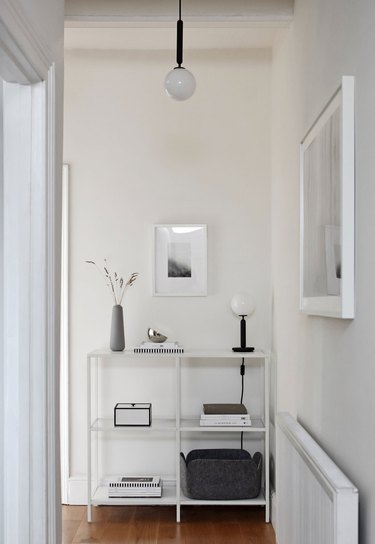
[135, 486]
[225, 415]
[153, 347]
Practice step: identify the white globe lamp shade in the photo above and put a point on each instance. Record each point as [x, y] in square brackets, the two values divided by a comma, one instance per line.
[242, 304]
[180, 84]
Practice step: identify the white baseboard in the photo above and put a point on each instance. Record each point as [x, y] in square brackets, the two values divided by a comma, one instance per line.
[77, 491]
[274, 511]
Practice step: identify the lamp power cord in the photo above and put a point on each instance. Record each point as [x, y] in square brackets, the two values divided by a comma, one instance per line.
[242, 373]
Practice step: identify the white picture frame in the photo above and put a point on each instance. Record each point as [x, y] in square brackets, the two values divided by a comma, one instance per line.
[180, 260]
[327, 209]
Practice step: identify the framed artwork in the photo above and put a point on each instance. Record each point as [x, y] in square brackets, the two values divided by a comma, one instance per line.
[327, 209]
[180, 260]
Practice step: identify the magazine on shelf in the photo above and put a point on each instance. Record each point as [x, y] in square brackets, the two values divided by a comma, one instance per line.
[135, 482]
[135, 486]
[165, 347]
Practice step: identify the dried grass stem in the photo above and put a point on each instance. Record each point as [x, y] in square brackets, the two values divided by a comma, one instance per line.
[116, 285]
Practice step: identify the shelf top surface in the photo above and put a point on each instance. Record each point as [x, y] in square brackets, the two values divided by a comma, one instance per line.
[187, 354]
[100, 496]
[169, 496]
[259, 500]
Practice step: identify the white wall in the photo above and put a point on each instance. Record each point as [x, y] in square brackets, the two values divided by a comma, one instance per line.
[325, 366]
[137, 159]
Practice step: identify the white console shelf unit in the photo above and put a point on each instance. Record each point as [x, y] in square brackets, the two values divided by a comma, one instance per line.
[172, 494]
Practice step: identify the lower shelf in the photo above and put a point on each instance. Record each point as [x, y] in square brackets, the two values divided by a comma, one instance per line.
[258, 501]
[169, 497]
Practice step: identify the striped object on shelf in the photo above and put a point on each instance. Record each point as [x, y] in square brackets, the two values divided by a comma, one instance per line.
[165, 347]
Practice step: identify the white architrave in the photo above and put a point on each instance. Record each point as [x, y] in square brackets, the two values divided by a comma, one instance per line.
[1, 321]
[64, 363]
[30, 254]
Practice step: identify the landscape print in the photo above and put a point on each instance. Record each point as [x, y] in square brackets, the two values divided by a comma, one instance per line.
[179, 260]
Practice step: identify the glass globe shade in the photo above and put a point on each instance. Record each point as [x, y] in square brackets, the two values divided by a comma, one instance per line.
[242, 304]
[180, 84]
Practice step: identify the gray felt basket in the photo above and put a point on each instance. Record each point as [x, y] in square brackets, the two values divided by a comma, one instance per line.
[221, 474]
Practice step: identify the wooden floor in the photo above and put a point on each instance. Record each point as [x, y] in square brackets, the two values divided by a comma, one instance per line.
[157, 525]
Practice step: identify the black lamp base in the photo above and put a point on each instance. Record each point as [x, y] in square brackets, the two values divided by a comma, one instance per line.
[242, 350]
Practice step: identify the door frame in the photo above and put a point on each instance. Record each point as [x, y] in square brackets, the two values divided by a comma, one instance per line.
[30, 343]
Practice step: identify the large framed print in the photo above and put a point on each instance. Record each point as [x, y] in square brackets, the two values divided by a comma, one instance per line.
[180, 260]
[327, 209]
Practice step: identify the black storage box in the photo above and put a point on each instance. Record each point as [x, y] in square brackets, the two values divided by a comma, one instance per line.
[221, 474]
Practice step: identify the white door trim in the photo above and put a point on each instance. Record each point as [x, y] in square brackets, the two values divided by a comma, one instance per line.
[53, 265]
[64, 366]
[31, 264]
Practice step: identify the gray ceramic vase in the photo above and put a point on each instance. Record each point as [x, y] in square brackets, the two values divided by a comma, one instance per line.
[117, 329]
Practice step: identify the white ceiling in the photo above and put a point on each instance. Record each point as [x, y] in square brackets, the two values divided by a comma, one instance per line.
[148, 24]
[166, 10]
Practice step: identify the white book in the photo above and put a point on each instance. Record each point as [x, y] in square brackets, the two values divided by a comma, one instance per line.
[226, 417]
[134, 493]
[225, 423]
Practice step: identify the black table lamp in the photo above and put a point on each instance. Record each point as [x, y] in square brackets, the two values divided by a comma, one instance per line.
[242, 305]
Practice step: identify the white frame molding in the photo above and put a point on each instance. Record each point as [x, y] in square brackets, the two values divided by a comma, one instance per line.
[30, 255]
[341, 306]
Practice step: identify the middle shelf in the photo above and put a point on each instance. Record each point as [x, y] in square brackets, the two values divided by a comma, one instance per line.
[157, 425]
[185, 425]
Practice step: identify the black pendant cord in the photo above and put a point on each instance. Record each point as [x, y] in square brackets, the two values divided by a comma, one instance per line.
[242, 372]
[180, 38]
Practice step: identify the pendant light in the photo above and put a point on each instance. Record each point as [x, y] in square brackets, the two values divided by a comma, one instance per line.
[179, 83]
